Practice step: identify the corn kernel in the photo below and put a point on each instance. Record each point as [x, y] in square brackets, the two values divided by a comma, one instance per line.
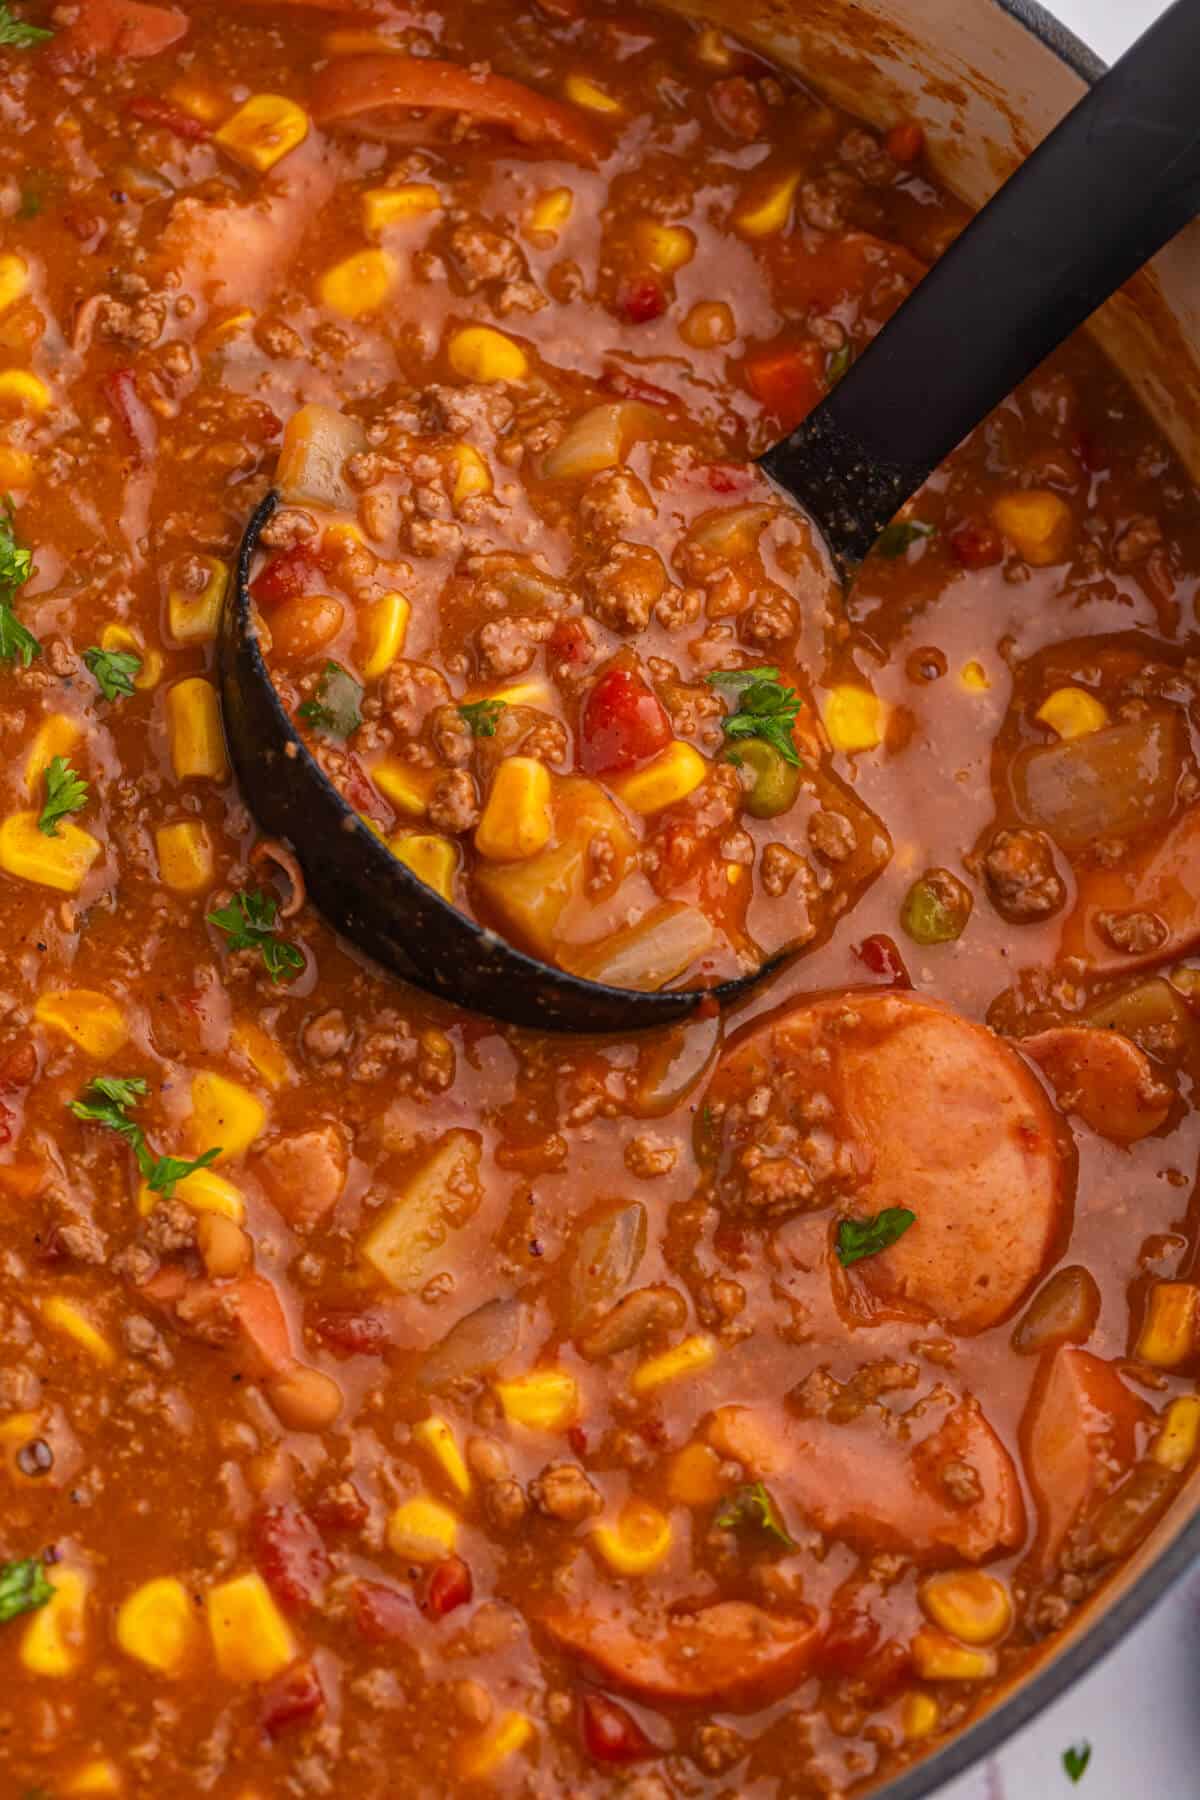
[1175, 1445]
[516, 821]
[406, 785]
[671, 777]
[533, 691]
[194, 617]
[768, 210]
[1168, 1334]
[23, 391]
[383, 630]
[478, 353]
[91, 1020]
[1038, 523]
[854, 718]
[422, 1530]
[471, 474]
[432, 859]
[543, 1400]
[194, 726]
[974, 678]
[551, 210]
[262, 1053]
[690, 1357]
[263, 131]
[157, 1626]
[919, 1716]
[199, 102]
[14, 279]
[60, 862]
[382, 207]
[204, 1191]
[359, 284]
[185, 857]
[582, 91]
[665, 247]
[16, 468]
[119, 637]
[937, 1657]
[359, 43]
[97, 1779]
[435, 1435]
[251, 1640]
[694, 1476]
[480, 1759]
[65, 1316]
[970, 1604]
[639, 1540]
[53, 1642]
[713, 49]
[1072, 712]
[225, 1113]
[57, 735]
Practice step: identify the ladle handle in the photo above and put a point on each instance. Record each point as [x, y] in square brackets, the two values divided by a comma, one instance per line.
[1112, 183]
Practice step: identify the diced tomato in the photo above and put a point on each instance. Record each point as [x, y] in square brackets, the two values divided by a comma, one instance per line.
[18, 1066]
[161, 113]
[886, 1670]
[292, 572]
[382, 1614]
[628, 386]
[849, 1641]
[879, 954]
[571, 643]
[725, 478]
[788, 379]
[138, 422]
[904, 143]
[609, 1733]
[449, 1586]
[578, 1440]
[291, 1557]
[640, 300]
[624, 722]
[291, 1699]
[341, 1509]
[7, 1125]
[122, 28]
[976, 544]
[263, 1328]
[354, 1333]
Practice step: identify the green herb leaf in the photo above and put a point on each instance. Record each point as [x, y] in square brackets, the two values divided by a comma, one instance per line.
[16, 566]
[857, 1238]
[1076, 1759]
[162, 1172]
[751, 1507]
[66, 792]
[30, 204]
[107, 1100]
[336, 705]
[897, 537]
[766, 709]
[114, 670]
[16, 34]
[838, 364]
[481, 716]
[15, 640]
[23, 1588]
[249, 923]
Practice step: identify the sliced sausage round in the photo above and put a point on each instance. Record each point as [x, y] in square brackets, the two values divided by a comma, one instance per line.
[1103, 1078]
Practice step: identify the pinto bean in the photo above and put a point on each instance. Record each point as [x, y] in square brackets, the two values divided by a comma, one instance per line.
[1079, 1433]
[646, 1310]
[1104, 1079]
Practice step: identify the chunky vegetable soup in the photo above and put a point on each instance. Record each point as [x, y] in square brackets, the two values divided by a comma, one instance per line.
[395, 1403]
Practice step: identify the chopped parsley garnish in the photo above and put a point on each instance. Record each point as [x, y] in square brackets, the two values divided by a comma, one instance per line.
[107, 1101]
[895, 539]
[751, 1508]
[838, 364]
[66, 792]
[482, 716]
[16, 566]
[765, 708]
[23, 1588]
[31, 204]
[16, 34]
[1076, 1759]
[114, 670]
[336, 705]
[858, 1238]
[249, 923]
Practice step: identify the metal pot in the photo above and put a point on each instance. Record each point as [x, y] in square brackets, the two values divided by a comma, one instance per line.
[988, 79]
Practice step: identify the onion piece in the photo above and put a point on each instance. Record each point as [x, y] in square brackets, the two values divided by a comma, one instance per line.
[732, 531]
[1107, 784]
[645, 956]
[608, 1251]
[673, 1063]
[599, 439]
[473, 1346]
[366, 93]
[317, 440]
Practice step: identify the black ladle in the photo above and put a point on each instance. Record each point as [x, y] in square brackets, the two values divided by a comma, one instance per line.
[1113, 183]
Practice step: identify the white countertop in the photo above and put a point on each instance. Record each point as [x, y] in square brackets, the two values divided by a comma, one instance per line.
[1140, 1710]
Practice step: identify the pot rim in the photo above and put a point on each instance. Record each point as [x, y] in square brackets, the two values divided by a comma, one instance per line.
[1111, 1624]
